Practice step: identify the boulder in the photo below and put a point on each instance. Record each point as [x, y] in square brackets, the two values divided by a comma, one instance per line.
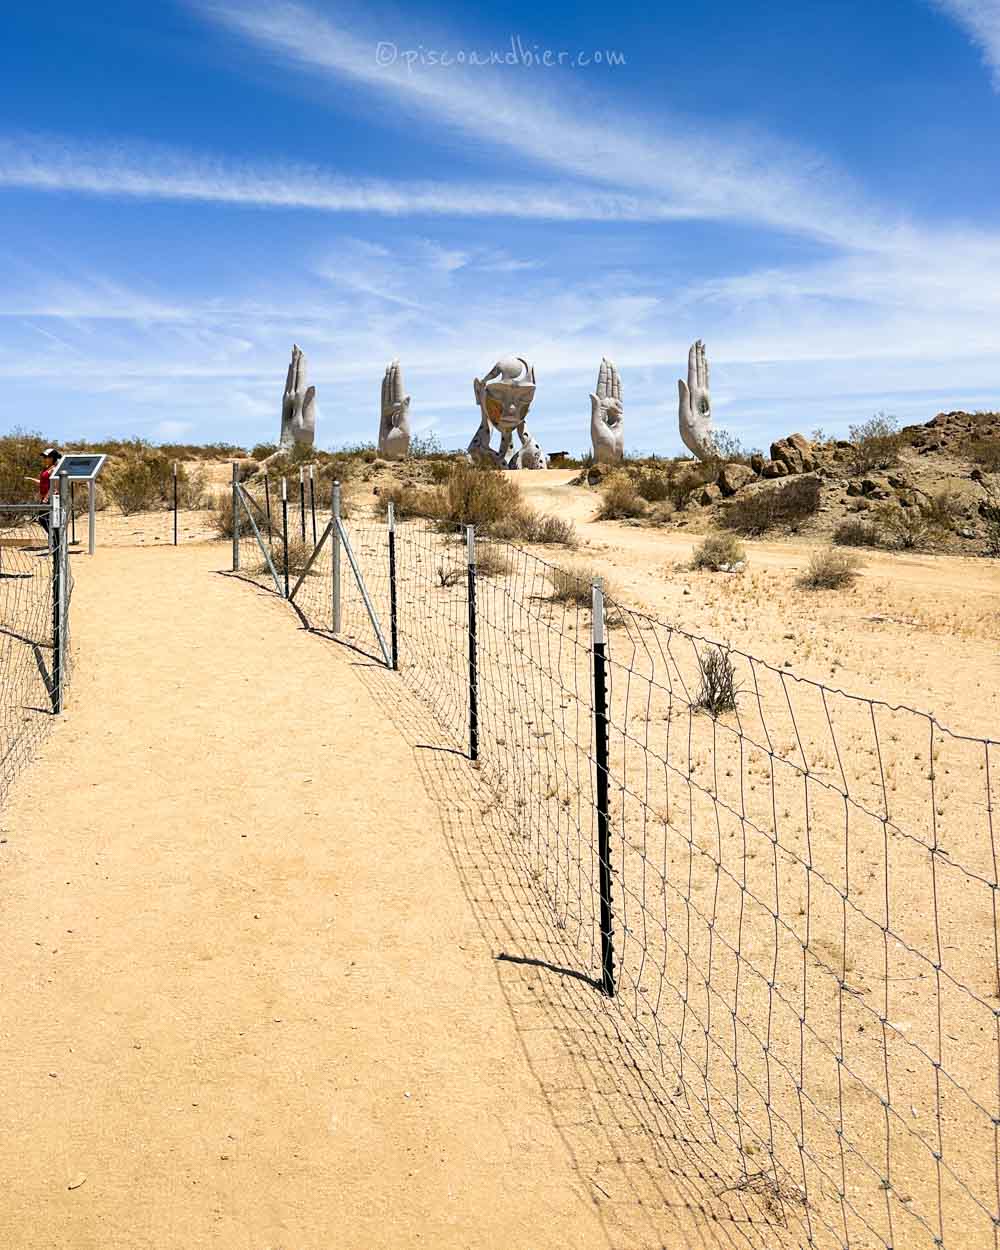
[774, 468]
[733, 477]
[854, 490]
[796, 452]
[757, 462]
[709, 494]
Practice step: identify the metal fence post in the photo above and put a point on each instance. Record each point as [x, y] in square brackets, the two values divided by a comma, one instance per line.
[302, 500]
[312, 500]
[335, 556]
[72, 509]
[284, 530]
[393, 628]
[470, 544]
[236, 520]
[175, 503]
[55, 554]
[601, 761]
[267, 504]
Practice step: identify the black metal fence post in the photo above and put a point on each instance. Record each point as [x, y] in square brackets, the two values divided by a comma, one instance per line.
[312, 501]
[236, 519]
[267, 504]
[55, 552]
[284, 530]
[601, 761]
[302, 501]
[72, 510]
[393, 627]
[175, 503]
[470, 541]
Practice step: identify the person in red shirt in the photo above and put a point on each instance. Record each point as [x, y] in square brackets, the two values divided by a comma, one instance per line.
[50, 458]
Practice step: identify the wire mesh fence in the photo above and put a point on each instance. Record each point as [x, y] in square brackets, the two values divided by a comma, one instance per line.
[803, 882]
[34, 632]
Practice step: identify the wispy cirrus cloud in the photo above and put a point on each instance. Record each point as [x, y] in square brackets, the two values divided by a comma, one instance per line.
[980, 19]
[39, 162]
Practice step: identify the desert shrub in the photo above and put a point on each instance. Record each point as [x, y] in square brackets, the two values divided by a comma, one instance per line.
[718, 551]
[492, 561]
[907, 528]
[20, 458]
[942, 510]
[299, 553]
[439, 470]
[729, 449]
[192, 488]
[222, 518]
[543, 527]
[830, 569]
[719, 689]
[684, 476]
[452, 575]
[140, 481]
[991, 519]
[984, 451]
[875, 443]
[473, 496]
[261, 451]
[573, 586]
[857, 533]
[408, 500]
[426, 446]
[758, 511]
[620, 498]
[652, 486]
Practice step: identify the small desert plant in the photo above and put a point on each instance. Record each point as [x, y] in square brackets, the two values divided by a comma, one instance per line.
[140, 482]
[830, 570]
[574, 586]
[407, 500]
[942, 510]
[543, 527]
[875, 443]
[719, 690]
[985, 452]
[857, 533]
[907, 528]
[452, 576]
[758, 511]
[619, 498]
[473, 496]
[492, 561]
[192, 488]
[718, 551]
[261, 451]
[652, 486]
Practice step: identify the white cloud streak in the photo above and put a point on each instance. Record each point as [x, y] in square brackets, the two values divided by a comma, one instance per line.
[980, 19]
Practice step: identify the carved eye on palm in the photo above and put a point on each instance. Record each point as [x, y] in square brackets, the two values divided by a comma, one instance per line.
[695, 405]
[607, 414]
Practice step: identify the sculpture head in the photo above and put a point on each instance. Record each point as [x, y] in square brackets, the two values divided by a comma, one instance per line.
[505, 394]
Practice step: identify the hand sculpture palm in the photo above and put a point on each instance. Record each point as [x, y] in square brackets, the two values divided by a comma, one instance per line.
[607, 425]
[394, 428]
[695, 415]
[298, 404]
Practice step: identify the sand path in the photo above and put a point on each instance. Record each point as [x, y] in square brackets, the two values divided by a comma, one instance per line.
[247, 1003]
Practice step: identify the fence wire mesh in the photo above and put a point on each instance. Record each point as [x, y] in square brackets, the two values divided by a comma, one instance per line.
[27, 636]
[804, 880]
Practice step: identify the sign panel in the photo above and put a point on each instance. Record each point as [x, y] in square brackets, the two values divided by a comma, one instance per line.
[79, 468]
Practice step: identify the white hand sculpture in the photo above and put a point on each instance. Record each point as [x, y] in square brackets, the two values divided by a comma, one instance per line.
[696, 406]
[394, 428]
[298, 404]
[607, 426]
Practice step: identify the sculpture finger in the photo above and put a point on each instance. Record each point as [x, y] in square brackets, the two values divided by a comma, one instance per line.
[704, 358]
[684, 395]
[596, 408]
[615, 383]
[692, 381]
[602, 380]
[702, 375]
[397, 382]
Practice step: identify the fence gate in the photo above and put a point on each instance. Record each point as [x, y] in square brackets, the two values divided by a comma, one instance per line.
[248, 514]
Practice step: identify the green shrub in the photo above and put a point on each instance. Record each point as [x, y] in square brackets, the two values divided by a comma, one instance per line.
[830, 570]
[906, 528]
[985, 451]
[875, 443]
[544, 528]
[718, 551]
[140, 481]
[652, 486]
[261, 451]
[942, 510]
[790, 504]
[20, 458]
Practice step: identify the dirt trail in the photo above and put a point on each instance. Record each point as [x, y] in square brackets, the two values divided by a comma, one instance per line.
[246, 1001]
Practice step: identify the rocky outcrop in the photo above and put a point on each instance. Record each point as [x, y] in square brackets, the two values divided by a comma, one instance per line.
[796, 453]
[733, 477]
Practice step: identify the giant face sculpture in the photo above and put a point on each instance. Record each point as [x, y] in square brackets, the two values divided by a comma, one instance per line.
[504, 397]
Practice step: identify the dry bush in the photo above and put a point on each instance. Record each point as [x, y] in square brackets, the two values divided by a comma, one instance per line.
[856, 533]
[544, 528]
[718, 551]
[451, 576]
[652, 486]
[193, 493]
[790, 504]
[830, 570]
[875, 443]
[906, 528]
[407, 500]
[573, 585]
[943, 510]
[991, 519]
[719, 689]
[141, 481]
[20, 458]
[620, 499]
[492, 561]
[479, 497]
[985, 452]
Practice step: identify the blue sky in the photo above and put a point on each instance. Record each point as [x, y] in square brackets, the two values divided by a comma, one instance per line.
[186, 188]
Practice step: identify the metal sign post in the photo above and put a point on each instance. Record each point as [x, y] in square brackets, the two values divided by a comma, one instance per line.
[83, 469]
